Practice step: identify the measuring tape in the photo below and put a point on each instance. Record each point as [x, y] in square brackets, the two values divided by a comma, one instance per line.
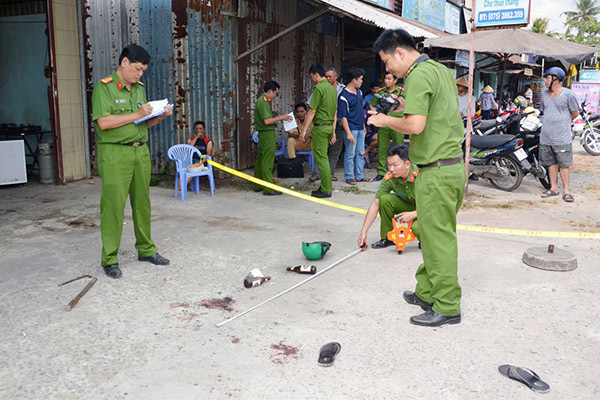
[502, 231]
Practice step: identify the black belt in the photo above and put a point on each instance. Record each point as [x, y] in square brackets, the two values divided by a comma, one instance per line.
[440, 163]
[322, 124]
[133, 144]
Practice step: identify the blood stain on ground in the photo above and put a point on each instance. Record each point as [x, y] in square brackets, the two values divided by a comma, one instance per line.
[225, 303]
[235, 339]
[177, 305]
[284, 352]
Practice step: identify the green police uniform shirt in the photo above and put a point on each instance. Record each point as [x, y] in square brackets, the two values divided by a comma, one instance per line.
[375, 100]
[403, 190]
[262, 111]
[429, 89]
[111, 97]
[324, 102]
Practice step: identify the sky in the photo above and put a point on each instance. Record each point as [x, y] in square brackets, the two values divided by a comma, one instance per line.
[551, 9]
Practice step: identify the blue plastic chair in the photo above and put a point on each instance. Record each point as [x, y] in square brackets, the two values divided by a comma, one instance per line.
[311, 158]
[280, 152]
[182, 154]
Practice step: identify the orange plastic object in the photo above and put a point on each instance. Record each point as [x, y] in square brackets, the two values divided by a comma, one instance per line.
[401, 234]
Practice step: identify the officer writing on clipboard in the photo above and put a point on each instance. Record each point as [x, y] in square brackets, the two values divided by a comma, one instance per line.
[124, 158]
[432, 119]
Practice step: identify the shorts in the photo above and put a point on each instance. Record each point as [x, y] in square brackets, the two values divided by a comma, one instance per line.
[552, 155]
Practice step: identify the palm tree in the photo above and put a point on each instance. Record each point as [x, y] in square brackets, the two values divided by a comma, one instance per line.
[587, 10]
[540, 25]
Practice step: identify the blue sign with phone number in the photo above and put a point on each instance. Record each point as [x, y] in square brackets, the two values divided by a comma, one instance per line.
[516, 15]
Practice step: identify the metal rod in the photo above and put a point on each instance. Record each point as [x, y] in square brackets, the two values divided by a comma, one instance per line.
[291, 288]
[76, 299]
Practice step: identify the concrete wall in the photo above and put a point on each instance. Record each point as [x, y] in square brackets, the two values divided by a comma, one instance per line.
[23, 86]
[69, 88]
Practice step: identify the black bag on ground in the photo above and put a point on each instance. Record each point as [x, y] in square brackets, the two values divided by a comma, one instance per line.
[290, 168]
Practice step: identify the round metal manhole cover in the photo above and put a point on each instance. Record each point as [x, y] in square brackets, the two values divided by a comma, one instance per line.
[550, 259]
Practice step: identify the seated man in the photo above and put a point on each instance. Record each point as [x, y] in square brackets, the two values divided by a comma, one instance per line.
[293, 144]
[395, 197]
[200, 141]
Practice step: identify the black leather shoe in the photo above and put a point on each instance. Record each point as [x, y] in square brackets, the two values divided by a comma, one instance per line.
[321, 195]
[378, 178]
[431, 318]
[155, 259]
[412, 298]
[272, 193]
[382, 244]
[256, 190]
[113, 271]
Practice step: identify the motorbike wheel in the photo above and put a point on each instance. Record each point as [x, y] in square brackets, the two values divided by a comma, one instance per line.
[539, 170]
[590, 139]
[514, 172]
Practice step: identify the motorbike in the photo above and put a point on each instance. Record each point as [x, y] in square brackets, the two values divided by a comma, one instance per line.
[590, 135]
[530, 128]
[499, 159]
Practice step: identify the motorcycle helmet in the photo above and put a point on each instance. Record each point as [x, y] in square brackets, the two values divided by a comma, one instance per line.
[557, 72]
[529, 110]
[521, 101]
[315, 250]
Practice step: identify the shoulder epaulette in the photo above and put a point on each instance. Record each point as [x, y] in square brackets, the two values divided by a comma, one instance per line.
[141, 83]
[413, 176]
[106, 80]
[388, 176]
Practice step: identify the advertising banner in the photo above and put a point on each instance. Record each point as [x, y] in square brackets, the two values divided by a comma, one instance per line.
[428, 12]
[588, 93]
[452, 24]
[389, 4]
[501, 12]
[589, 76]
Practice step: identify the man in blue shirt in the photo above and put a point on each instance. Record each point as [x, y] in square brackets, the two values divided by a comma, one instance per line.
[350, 103]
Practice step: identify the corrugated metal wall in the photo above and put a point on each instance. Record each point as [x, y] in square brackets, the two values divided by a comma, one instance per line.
[191, 47]
[285, 60]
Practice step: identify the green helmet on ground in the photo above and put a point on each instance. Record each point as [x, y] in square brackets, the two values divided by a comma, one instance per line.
[315, 250]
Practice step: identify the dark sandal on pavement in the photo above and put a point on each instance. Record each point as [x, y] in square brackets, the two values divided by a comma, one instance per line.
[113, 271]
[364, 180]
[328, 353]
[334, 178]
[568, 198]
[549, 193]
[526, 376]
[350, 181]
[313, 178]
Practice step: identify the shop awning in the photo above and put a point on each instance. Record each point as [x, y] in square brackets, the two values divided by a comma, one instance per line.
[386, 20]
[518, 41]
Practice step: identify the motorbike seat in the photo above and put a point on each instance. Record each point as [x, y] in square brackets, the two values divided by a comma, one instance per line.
[487, 124]
[489, 141]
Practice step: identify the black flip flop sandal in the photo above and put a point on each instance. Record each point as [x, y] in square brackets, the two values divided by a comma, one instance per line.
[328, 353]
[526, 376]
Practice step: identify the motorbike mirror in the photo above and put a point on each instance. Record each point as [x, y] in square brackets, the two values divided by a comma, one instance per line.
[498, 119]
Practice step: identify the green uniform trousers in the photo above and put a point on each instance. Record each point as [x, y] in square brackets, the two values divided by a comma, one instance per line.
[125, 170]
[439, 193]
[384, 135]
[263, 166]
[390, 205]
[321, 136]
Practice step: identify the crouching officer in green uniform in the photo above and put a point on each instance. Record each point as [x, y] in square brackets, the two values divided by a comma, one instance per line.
[265, 125]
[395, 198]
[124, 158]
[432, 119]
[323, 116]
[385, 134]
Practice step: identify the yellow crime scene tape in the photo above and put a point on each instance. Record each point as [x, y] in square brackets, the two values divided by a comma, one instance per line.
[485, 229]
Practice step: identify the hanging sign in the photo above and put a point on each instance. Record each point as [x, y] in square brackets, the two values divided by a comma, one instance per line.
[501, 12]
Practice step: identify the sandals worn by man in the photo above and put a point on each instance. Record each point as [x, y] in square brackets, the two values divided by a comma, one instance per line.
[549, 193]
[365, 179]
[314, 178]
[568, 197]
[350, 181]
